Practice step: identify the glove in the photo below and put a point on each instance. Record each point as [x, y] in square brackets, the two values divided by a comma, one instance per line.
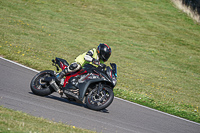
[102, 65]
[95, 61]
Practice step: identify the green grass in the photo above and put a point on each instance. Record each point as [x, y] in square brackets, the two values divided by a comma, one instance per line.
[18, 122]
[155, 45]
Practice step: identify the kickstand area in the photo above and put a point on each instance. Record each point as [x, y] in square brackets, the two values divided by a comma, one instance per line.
[60, 92]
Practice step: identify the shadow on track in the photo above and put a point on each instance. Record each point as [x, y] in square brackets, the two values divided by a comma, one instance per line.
[65, 100]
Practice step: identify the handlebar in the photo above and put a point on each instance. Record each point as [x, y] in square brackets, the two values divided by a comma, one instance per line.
[102, 65]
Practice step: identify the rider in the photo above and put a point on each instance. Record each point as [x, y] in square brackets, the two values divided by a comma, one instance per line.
[94, 56]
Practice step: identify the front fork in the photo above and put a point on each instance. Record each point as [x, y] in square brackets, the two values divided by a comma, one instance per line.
[100, 87]
[54, 85]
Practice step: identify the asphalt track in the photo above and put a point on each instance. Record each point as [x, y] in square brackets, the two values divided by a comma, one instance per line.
[120, 117]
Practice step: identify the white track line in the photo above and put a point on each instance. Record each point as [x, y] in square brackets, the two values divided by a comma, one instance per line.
[19, 64]
[115, 97]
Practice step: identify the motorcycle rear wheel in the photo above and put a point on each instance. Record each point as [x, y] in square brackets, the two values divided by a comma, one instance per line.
[101, 101]
[41, 88]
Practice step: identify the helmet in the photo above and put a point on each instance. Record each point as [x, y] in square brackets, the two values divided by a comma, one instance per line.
[103, 51]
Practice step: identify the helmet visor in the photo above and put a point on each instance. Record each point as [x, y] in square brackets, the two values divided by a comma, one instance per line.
[105, 57]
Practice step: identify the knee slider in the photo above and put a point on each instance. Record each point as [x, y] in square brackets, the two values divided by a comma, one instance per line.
[73, 66]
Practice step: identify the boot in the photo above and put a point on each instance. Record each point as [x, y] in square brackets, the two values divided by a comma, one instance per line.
[61, 75]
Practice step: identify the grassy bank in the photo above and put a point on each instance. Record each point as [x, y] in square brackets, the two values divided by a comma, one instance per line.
[18, 122]
[155, 46]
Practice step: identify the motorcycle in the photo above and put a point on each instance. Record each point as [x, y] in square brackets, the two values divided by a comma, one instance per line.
[91, 85]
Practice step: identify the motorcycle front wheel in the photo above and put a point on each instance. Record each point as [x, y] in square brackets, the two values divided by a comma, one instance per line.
[39, 87]
[98, 101]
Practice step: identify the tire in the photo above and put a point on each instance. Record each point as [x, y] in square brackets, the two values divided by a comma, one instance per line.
[102, 101]
[41, 88]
